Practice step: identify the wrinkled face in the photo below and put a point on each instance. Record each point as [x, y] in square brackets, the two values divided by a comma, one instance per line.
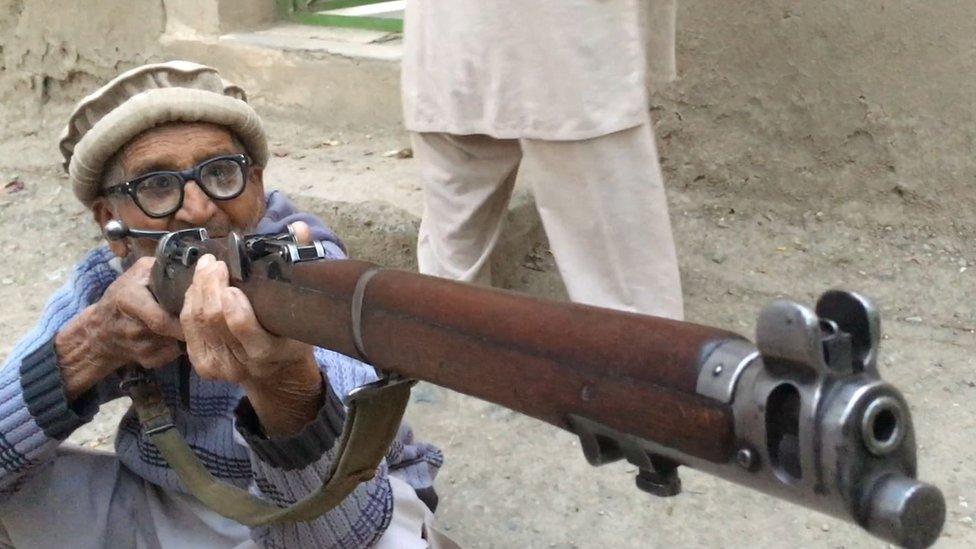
[177, 147]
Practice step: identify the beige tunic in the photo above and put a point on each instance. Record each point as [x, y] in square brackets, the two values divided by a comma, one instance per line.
[538, 69]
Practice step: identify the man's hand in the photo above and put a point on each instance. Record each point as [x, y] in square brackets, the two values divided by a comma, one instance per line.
[223, 337]
[125, 326]
[225, 342]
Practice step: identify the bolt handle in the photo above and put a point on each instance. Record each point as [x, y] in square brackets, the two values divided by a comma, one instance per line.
[116, 230]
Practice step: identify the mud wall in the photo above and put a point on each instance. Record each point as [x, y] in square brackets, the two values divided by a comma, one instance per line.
[55, 50]
[829, 103]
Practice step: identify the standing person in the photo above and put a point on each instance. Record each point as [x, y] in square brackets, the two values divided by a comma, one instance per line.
[552, 92]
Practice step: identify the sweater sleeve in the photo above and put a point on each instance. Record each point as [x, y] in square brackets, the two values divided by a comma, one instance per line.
[289, 469]
[35, 416]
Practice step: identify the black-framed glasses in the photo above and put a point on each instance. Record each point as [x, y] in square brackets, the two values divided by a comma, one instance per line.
[159, 194]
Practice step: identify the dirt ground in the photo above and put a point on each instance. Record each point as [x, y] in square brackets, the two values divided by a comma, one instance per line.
[510, 481]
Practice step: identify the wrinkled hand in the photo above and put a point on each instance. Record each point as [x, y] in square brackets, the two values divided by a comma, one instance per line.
[223, 337]
[127, 324]
[225, 341]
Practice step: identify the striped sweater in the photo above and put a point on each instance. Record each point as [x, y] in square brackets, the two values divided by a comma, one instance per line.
[215, 419]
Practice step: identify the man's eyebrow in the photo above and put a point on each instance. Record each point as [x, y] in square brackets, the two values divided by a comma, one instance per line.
[149, 166]
[169, 165]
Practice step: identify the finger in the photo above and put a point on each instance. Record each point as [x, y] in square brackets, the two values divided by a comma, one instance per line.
[205, 261]
[159, 353]
[216, 349]
[140, 271]
[142, 267]
[302, 232]
[234, 360]
[186, 313]
[216, 352]
[134, 300]
[209, 279]
[225, 354]
[142, 306]
[210, 275]
[243, 325]
[203, 354]
[197, 323]
[192, 329]
[204, 368]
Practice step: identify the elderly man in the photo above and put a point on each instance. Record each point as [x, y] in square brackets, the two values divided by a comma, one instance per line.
[166, 147]
[551, 92]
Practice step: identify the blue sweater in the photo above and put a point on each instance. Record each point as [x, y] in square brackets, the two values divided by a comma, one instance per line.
[216, 421]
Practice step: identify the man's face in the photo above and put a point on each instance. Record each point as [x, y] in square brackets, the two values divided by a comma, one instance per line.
[176, 147]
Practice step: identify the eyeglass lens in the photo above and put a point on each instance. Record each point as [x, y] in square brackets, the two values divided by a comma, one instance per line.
[162, 193]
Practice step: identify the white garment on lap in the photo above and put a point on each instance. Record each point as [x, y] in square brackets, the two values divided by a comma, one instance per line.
[602, 204]
[86, 499]
[412, 524]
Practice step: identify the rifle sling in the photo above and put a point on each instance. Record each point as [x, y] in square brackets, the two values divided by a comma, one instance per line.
[374, 416]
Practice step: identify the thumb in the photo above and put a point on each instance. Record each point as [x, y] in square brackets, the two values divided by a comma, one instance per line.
[302, 232]
[141, 269]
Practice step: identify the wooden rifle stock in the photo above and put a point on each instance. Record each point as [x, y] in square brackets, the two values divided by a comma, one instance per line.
[545, 359]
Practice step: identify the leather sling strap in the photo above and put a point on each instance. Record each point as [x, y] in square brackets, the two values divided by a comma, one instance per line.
[374, 416]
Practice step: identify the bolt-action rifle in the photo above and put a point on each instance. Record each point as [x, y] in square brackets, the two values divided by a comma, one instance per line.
[801, 414]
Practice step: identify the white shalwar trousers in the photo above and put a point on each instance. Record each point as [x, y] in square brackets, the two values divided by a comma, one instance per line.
[602, 204]
[87, 499]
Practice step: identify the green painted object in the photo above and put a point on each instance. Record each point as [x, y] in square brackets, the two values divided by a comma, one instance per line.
[308, 15]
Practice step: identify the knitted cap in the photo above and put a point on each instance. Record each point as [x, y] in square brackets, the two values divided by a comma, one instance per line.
[146, 97]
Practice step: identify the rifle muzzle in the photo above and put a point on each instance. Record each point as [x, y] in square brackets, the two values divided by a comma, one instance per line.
[813, 423]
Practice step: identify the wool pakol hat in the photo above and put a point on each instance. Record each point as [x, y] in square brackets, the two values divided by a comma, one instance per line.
[146, 97]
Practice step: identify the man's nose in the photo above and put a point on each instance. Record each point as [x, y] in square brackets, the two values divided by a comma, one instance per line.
[197, 207]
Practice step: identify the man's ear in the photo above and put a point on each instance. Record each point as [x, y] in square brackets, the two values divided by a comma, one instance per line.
[103, 213]
[256, 177]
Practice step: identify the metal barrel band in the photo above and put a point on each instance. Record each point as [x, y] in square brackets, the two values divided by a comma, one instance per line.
[358, 298]
[371, 424]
